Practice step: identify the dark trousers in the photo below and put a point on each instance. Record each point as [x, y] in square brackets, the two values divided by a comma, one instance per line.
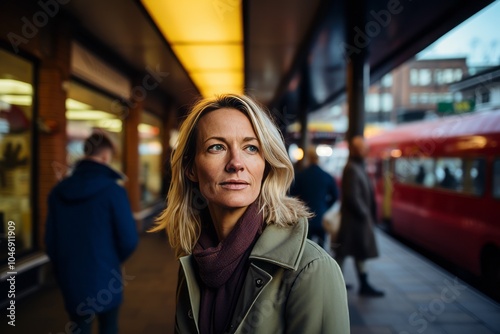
[108, 322]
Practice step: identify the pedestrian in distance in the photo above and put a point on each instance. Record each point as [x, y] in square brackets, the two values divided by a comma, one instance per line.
[358, 215]
[90, 232]
[318, 190]
[246, 265]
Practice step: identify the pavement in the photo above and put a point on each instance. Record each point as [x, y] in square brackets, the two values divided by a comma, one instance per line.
[420, 297]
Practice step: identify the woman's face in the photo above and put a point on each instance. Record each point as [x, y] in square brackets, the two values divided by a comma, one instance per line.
[228, 164]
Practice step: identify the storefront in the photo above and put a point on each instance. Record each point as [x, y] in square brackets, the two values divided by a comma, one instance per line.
[150, 156]
[16, 152]
[88, 110]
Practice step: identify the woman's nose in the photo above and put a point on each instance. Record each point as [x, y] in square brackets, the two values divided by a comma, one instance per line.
[234, 164]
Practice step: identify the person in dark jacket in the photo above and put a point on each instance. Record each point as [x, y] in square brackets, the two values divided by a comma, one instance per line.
[318, 190]
[90, 232]
[358, 215]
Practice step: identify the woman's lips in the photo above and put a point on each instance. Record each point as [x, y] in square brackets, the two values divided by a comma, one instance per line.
[234, 185]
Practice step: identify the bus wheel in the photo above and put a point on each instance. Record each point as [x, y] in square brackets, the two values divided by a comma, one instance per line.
[491, 273]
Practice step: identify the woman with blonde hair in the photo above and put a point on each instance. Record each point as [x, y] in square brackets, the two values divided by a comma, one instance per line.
[246, 264]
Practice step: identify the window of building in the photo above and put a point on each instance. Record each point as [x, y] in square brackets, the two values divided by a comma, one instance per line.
[425, 77]
[424, 98]
[386, 80]
[496, 179]
[16, 152]
[372, 103]
[447, 75]
[150, 158]
[414, 77]
[458, 96]
[413, 98]
[86, 111]
[438, 76]
[485, 96]
[387, 102]
[457, 74]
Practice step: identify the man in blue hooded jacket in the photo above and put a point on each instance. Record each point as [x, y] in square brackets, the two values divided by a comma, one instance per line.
[319, 191]
[90, 232]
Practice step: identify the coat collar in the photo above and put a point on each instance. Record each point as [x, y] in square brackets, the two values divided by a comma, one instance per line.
[279, 246]
[282, 246]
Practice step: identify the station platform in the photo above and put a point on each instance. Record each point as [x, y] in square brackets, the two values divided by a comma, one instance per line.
[420, 297]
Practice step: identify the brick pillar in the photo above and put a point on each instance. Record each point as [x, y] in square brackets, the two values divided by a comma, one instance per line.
[53, 74]
[131, 154]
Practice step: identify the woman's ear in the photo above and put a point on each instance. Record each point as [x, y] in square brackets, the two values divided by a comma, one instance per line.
[191, 173]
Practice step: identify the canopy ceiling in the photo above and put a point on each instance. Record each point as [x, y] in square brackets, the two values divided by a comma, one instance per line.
[282, 39]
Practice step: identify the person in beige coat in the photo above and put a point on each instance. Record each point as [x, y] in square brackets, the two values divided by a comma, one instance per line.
[358, 215]
[246, 265]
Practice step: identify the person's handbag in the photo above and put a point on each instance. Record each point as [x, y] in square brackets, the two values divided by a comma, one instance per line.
[331, 221]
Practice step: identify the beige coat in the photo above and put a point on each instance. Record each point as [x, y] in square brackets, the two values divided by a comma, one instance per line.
[358, 215]
[292, 286]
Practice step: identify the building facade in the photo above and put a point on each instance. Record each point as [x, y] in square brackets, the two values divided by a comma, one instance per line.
[414, 89]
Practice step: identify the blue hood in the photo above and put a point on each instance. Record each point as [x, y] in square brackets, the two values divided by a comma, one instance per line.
[88, 179]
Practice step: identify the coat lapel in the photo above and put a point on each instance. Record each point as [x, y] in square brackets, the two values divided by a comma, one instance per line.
[193, 288]
[278, 245]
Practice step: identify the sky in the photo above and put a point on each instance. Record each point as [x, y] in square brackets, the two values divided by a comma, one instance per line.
[478, 39]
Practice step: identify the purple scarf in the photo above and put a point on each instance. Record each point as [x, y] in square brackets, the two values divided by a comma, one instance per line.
[222, 267]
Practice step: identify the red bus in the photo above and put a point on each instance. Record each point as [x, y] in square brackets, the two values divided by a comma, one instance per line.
[437, 183]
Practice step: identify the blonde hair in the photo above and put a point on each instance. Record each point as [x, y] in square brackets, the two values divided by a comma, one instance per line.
[181, 218]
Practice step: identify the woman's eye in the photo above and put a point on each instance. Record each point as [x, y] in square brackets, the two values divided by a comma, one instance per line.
[252, 149]
[216, 147]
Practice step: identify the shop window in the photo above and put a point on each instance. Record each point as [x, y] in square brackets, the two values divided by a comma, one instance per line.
[88, 111]
[496, 179]
[150, 159]
[16, 153]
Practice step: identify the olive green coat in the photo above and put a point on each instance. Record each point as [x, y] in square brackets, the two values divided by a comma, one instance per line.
[292, 286]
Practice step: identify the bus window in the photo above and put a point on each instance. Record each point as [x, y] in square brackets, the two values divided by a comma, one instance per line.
[474, 172]
[496, 178]
[422, 172]
[403, 170]
[449, 173]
